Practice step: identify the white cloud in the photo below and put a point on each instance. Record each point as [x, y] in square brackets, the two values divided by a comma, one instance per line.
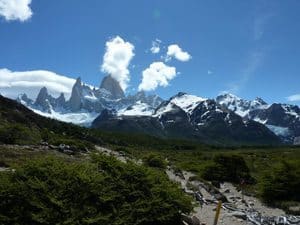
[116, 60]
[155, 46]
[174, 51]
[294, 98]
[15, 9]
[157, 74]
[30, 82]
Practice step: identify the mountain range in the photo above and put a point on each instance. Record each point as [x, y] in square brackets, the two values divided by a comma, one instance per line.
[227, 119]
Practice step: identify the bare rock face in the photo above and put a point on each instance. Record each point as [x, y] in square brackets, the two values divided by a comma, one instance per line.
[61, 101]
[75, 100]
[83, 97]
[23, 98]
[43, 94]
[44, 100]
[111, 85]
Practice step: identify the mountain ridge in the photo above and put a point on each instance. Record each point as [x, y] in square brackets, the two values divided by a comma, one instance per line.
[87, 103]
[206, 121]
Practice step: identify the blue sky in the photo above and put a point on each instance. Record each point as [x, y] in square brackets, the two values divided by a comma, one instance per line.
[249, 48]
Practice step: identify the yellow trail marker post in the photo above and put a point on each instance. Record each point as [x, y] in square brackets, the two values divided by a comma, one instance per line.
[218, 212]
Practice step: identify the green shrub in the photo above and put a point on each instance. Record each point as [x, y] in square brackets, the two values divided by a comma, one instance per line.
[231, 168]
[52, 191]
[281, 182]
[18, 134]
[155, 160]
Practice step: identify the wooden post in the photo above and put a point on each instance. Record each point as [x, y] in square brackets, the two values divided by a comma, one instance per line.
[218, 212]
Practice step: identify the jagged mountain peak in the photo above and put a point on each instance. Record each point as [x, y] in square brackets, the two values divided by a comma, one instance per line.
[44, 90]
[61, 100]
[78, 82]
[62, 95]
[260, 100]
[75, 99]
[227, 98]
[186, 101]
[24, 99]
[240, 106]
[179, 94]
[44, 100]
[42, 96]
[113, 86]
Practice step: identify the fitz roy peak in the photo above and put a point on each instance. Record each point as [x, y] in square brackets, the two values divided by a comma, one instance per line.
[86, 102]
[110, 84]
[227, 119]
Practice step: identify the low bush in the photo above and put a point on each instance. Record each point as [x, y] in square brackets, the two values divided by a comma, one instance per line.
[230, 168]
[18, 134]
[105, 191]
[281, 182]
[155, 160]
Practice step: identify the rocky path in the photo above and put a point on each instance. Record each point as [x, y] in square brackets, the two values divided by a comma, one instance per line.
[236, 209]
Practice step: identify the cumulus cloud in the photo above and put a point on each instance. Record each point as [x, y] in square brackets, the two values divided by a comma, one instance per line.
[174, 51]
[157, 74]
[294, 98]
[155, 46]
[15, 9]
[117, 59]
[30, 82]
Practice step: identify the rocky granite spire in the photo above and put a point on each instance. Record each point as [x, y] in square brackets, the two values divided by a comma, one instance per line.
[111, 85]
[60, 101]
[44, 100]
[23, 98]
[75, 100]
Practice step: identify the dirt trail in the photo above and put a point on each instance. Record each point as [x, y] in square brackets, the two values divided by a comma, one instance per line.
[236, 211]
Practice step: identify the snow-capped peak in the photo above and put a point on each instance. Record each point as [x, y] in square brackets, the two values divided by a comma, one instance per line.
[138, 109]
[228, 99]
[164, 108]
[186, 102]
[240, 106]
